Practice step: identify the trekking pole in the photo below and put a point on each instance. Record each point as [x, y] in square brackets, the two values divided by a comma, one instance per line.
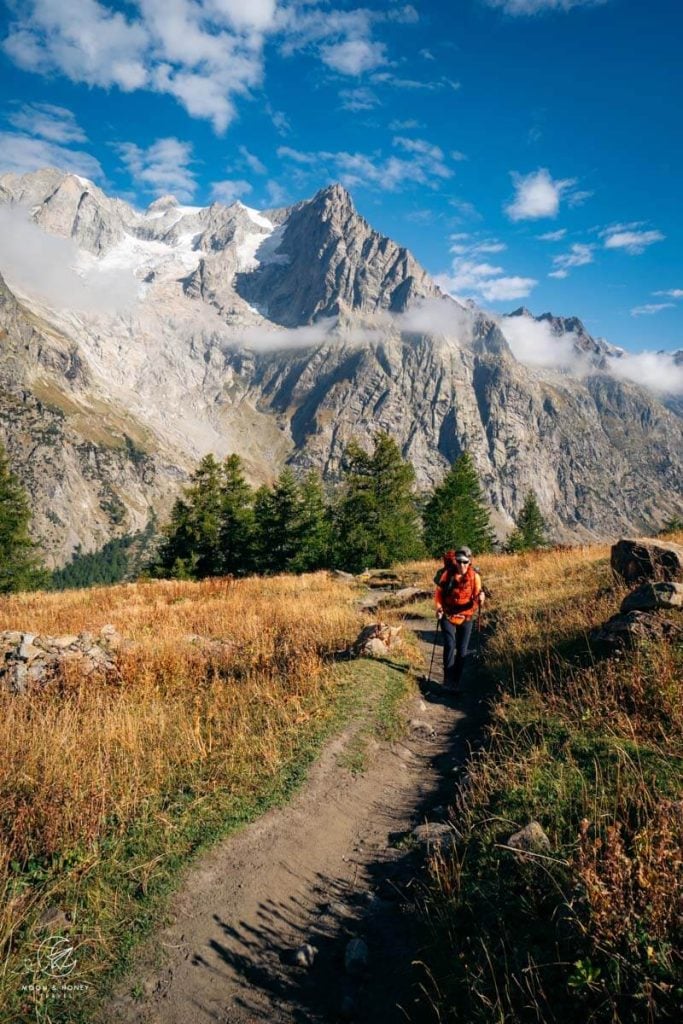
[479, 634]
[431, 663]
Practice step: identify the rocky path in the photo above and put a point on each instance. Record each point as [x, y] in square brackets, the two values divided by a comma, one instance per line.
[326, 869]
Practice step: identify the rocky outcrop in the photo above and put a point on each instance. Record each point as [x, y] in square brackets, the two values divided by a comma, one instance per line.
[647, 558]
[640, 619]
[28, 662]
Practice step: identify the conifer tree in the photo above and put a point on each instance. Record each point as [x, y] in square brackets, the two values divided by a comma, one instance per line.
[279, 524]
[190, 549]
[237, 527]
[530, 527]
[457, 513]
[377, 519]
[316, 527]
[20, 566]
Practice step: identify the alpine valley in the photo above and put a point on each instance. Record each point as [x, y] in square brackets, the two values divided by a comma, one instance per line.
[135, 342]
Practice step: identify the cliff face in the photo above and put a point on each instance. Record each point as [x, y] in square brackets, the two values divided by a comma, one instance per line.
[281, 335]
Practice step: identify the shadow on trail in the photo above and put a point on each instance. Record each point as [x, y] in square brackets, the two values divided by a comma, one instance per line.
[377, 905]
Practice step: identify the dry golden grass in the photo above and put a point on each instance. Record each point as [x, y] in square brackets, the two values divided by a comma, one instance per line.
[83, 759]
[592, 747]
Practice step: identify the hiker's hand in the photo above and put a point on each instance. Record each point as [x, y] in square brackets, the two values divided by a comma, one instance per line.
[482, 598]
[439, 613]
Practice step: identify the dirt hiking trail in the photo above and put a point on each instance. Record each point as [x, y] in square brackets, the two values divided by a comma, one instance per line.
[326, 868]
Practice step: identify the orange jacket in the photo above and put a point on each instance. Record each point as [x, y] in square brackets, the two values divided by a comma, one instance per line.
[458, 595]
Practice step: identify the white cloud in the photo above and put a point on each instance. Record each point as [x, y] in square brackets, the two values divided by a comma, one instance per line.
[536, 195]
[354, 56]
[634, 242]
[50, 267]
[580, 254]
[256, 15]
[530, 7]
[552, 236]
[20, 154]
[424, 165]
[649, 309]
[277, 194]
[672, 293]
[464, 243]
[361, 98]
[655, 370]
[56, 124]
[475, 277]
[205, 53]
[534, 342]
[253, 163]
[202, 52]
[501, 289]
[162, 167]
[288, 153]
[228, 191]
[401, 126]
[82, 39]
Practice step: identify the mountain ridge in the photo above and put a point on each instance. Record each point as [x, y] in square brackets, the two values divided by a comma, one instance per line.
[281, 335]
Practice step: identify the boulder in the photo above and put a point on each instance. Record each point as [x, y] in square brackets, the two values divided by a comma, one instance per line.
[633, 628]
[650, 596]
[366, 644]
[646, 558]
[530, 839]
[435, 836]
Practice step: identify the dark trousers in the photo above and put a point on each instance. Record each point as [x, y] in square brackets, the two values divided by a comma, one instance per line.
[456, 641]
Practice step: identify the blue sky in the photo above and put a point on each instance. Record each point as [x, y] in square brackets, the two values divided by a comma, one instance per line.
[527, 151]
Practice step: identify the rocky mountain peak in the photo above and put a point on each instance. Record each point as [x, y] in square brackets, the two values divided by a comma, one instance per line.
[162, 204]
[329, 260]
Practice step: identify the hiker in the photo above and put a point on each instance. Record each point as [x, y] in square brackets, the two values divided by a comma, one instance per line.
[458, 595]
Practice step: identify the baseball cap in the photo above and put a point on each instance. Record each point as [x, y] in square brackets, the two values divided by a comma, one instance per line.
[463, 554]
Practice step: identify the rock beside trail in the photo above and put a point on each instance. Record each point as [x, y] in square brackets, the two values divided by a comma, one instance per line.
[305, 955]
[636, 627]
[530, 839]
[647, 558]
[651, 596]
[435, 836]
[29, 661]
[422, 728]
[356, 958]
[375, 641]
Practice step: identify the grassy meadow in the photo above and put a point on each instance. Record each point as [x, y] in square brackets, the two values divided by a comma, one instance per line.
[592, 748]
[108, 785]
[221, 701]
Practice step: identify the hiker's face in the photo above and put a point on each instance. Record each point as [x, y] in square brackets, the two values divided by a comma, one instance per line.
[461, 565]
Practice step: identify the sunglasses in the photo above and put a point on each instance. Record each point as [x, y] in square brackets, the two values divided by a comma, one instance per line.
[463, 561]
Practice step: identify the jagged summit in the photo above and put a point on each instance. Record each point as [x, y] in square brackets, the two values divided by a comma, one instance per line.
[163, 203]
